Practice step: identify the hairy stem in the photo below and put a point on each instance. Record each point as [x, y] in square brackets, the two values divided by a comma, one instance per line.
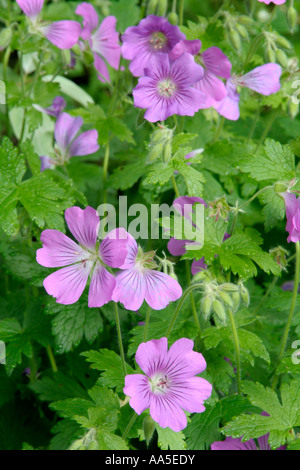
[237, 349]
[120, 338]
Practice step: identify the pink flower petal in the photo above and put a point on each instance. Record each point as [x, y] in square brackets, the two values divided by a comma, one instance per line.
[192, 47]
[63, 34]
[212, 86]
[167, 414]
[264, 79]
[59, 250]
[229, 106]
[191, 394]
[113, 249]
[90, 19]
[217, 62]
[85, 144]
[130, 289]
[31, 8]
[84, 225]
[176, 247]
[149, 355]
[66, 128]
[137, 387]
[67, 284]
[197, 266]
[101, 286]
[106, 42]
[101, 68]
[160, 289]
[182, 356]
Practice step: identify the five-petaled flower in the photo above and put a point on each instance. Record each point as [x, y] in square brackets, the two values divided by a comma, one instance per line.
[170, 385]
[292, 205]
[167, 88]
[152, 36]
[83, 259]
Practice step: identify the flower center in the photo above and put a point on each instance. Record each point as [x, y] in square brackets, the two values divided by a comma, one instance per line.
[159, 384]
[146, 260]
[166, 88]
[158, 41]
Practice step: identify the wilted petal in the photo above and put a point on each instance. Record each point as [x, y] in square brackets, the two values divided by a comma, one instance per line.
[84, 225]
[59, 250]
[63, 34]
[85, 144]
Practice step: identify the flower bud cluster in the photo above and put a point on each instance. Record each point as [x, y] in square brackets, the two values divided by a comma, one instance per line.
[160, 144]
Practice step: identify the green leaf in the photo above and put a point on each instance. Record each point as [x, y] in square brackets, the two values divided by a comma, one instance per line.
[127, 13]
[273, 210]
[110, 364]
[113, 126]
[159, 173]
[58, 386]
[168, 439]
[31, 157]
[193, 179]
[73, 322]
[276, 163]
[283, 416]
[126, 176]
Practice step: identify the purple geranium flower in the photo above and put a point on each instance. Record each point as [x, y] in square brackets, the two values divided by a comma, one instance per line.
[103, 39]
[153, 35]
[167, 88]
[216, 64]
[236, 444]
[67, 144]
[83, 259]
[292, 205]
[264, 79]
[57, 106]
[140, 281]
[63, 34]
[170, 384]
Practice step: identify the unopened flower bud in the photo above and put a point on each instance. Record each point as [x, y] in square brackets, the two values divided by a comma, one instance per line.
[229, 287]
[292, 17]
[93, 445]
[270, 55]
[226, 298]
[149, 428]
[282, 41]
[167, 153]
[162, 7]
[219, 310]
[242, 31]
[236, 299]
[5, 37]
[280, 187]
[219, 208]
[88, 56]
[243, 19]
[245, 295]
[235, 39]
[293, 109]
[281, 58]
[151, 7]
[206, 305]
[173, 18]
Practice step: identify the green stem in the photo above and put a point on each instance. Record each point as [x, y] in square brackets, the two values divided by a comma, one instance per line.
[174, 6]
[268, 292]
[179, 305]
[237, 349]
[176, 190]
[120, 338]
[181, 12]
[244, 205]
[270, 123]
[253, 126]
[292, 309]
[129, 426]
[105, 171]
[147, 321]
[188, 275]
[219, 128]
[51, 359]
